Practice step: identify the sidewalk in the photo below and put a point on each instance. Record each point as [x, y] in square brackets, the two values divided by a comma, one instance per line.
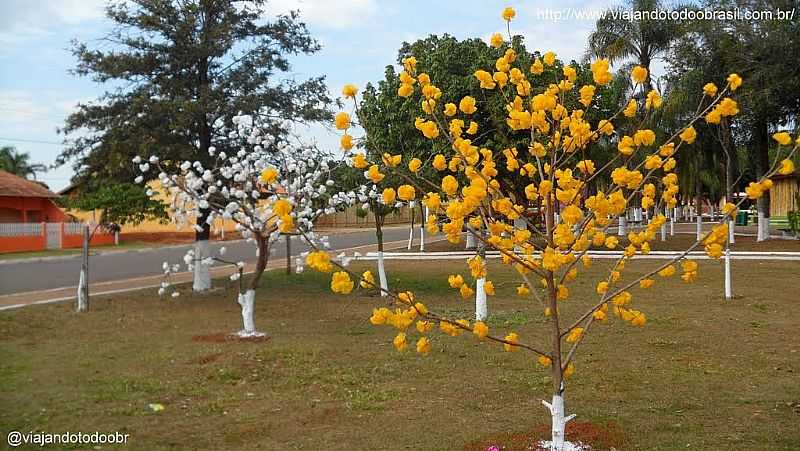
[17, 300]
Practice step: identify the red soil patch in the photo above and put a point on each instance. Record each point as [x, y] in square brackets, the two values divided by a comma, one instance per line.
[598, 436]
[205, 359]
[228, 338]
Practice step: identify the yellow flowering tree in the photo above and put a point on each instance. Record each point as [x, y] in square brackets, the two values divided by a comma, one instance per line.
[548, 248]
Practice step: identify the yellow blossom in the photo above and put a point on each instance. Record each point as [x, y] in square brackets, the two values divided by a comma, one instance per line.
[320, 261]
[782, 138]
[710, 89]
[735, 80]
[574, 334]
[374, 174]
[423, 345]
[346, 142]
[349, 90]
[342, 121]
[467, 105]
[400, 342]
[512, 339]
[414, 164]
[787, 167]
[269, 176]
[341, 283]
[639, 74]
[406, 192]
[688, 134]
[544, 361]
[549, 58]
[480, 329]
[509, 13]
[389, 196]
[367, 280]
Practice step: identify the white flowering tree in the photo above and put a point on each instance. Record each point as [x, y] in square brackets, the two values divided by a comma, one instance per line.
[267, 188]
[551, 144]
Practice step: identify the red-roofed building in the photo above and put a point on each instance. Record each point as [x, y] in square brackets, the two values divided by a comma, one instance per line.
[26, 201]
[31, 221]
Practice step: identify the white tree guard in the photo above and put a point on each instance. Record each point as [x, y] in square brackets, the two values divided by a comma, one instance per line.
[247, 302]
[422, 230]
[728, 281]
[559, 425]
[470, 240]
[623, 222]
[202, 274]
[481, 307]
[763, 227]
[382, 275]
[83, 304]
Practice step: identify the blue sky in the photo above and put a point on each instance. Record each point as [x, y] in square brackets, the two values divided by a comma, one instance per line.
[359, 38]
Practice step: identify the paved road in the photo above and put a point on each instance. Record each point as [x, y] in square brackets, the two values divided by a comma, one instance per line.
[23, 276]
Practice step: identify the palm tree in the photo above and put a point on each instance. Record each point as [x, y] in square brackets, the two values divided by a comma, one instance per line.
[619, 39]
[18, 163]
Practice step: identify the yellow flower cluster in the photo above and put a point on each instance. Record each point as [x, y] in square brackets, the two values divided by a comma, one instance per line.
[319, 260]
[341, 283]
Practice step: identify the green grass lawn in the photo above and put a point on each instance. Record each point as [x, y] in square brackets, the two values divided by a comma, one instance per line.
[703, 374]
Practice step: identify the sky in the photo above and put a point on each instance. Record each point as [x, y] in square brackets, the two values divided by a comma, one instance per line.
[359, 38]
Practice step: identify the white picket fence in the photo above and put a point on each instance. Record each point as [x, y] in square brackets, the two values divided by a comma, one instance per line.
[21, 229]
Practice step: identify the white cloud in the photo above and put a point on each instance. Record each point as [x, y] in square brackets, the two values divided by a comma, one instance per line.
[326, 13]
[26, 19]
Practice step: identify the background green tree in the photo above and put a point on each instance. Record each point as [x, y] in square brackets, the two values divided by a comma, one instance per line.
[182, 71]
[18, 163]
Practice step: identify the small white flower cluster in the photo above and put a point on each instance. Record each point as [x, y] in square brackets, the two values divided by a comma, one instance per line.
[233, 187]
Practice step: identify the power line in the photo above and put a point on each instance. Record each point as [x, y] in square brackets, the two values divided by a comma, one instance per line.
[33, 141]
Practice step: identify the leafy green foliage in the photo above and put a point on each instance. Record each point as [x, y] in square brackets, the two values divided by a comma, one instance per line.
[18, 163]
[120, 203]
[183, 70]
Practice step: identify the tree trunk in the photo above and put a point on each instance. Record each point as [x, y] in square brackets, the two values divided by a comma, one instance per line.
[481, 306]
[698, 210]
[423, 219]
[202, 275]
[761, 137]
[381, 267]
[83, 282]
[247, 299]
[411, 230]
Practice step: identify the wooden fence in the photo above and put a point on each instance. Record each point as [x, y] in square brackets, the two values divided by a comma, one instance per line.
[349, 218]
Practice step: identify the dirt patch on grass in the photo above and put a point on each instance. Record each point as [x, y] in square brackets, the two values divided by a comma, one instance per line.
[206, 359]
[598, 436]
[228, 338]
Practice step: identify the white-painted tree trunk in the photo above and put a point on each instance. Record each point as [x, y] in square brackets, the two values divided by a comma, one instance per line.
[699, 226]
[410, 236]
[116, 238]
[202, 275]
[731, 231]
[728, 281]
[422, 231]
[83, 303]
[470, 239]
[247, 301]
[481, 308]
[382, 275]
[672, 218]
[559, 424]
[763, 227]
[623, 222]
